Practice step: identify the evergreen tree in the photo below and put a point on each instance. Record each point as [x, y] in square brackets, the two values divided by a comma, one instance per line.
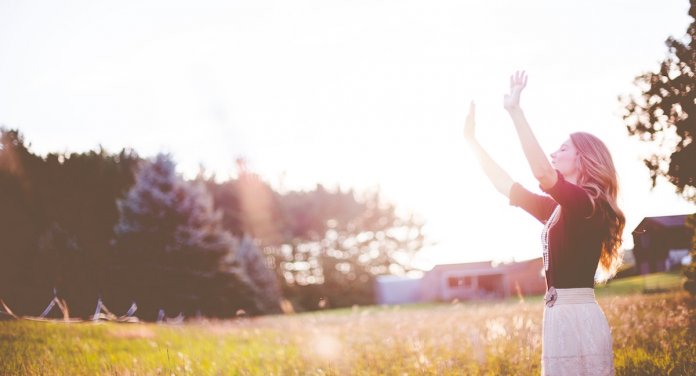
[171, 243]
[264, 280]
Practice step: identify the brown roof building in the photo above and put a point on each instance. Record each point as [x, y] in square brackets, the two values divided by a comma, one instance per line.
[660, 243]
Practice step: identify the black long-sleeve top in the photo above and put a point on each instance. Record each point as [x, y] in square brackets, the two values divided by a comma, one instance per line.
[575, 240]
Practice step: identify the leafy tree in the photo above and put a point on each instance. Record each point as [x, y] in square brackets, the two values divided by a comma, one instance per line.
[56, 222]
[664, 114]
[341, 243]
[690, 271]
[323, 244]
[19, 221]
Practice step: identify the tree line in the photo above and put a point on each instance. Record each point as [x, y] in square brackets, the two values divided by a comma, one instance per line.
[127, 229]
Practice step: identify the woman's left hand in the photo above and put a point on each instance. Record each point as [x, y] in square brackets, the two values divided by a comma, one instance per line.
[518, 82]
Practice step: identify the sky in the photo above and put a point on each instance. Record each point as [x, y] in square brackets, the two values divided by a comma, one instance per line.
[350, 94]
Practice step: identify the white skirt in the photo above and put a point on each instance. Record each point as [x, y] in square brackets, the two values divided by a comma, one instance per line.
[576, 339]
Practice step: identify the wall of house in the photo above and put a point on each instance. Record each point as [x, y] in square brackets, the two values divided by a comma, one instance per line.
[447, 284]
[528, 278]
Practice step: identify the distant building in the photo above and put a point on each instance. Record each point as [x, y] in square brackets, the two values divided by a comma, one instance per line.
[393, 289]
[466, 281]
[660, 243]
[483, 280]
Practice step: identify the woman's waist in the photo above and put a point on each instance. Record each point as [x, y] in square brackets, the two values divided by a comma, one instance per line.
[559, 296]
[567, 279]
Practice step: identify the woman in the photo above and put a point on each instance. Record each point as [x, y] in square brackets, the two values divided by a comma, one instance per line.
[582, 230]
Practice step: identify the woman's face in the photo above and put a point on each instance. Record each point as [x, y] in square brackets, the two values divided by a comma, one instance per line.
[565, 160]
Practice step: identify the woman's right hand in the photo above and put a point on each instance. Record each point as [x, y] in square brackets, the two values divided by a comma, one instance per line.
[470, 124]
[518, 82]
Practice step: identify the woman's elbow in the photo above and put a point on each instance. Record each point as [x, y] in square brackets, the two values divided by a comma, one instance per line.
[546, 177]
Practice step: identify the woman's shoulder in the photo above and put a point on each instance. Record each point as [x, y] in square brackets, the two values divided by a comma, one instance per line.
[574, 199]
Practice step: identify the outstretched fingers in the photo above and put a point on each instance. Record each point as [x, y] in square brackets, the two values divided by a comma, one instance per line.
[471, 116]
[469, 126]
[518, 79]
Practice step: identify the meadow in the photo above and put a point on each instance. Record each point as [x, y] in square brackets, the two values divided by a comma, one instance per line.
[653, 335]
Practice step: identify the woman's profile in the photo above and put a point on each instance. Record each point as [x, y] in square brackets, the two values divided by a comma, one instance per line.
[582, 231]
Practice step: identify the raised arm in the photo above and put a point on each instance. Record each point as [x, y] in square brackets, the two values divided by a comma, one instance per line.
[500, 179]
[541, 168]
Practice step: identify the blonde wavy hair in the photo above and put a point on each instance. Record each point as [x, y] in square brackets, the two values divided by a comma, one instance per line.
[597, 175]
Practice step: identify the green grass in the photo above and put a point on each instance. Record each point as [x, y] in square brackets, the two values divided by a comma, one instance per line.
[653, 335]
[656, 282]
[33, 348]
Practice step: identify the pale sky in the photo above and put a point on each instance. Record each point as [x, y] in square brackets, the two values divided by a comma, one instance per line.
[344, 93]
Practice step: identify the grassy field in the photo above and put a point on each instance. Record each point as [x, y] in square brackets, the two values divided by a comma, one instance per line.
[653, 335]
[651, 283]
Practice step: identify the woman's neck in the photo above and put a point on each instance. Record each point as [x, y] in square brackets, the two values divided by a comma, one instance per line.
[572, 179]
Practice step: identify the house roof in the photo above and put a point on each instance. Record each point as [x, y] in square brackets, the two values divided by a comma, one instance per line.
[663, 221]
[464, 266]
[523, 264]
[483, 265]
[388, 278]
